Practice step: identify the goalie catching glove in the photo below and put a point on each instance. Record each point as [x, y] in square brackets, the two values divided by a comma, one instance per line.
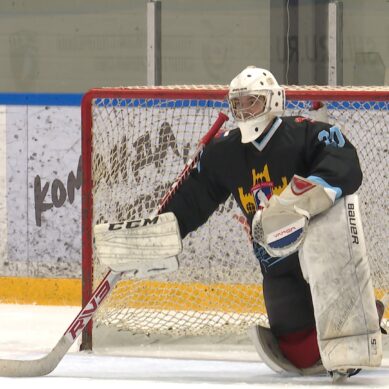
[280, 227]
[143, 247]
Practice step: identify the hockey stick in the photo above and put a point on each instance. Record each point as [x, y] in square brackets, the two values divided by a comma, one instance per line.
[46, 364]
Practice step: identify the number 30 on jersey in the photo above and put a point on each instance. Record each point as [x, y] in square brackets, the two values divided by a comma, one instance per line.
[332, 138]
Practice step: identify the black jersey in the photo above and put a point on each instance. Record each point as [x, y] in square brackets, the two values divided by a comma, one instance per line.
[296, 145]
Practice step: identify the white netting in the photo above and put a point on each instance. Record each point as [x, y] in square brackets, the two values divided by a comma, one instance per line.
[140, 145]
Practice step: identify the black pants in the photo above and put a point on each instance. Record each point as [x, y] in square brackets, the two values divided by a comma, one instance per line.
[287, 295]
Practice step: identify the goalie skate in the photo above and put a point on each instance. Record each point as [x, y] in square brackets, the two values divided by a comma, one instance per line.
[340, 376]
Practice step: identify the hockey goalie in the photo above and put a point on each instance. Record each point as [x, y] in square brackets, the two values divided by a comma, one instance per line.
[305, 225]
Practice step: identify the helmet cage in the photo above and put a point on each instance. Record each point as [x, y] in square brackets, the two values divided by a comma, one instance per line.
[246, 109]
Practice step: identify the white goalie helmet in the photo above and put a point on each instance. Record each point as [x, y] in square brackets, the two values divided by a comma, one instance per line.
[255, 99]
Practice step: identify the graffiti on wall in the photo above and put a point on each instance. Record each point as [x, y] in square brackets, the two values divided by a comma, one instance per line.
[60, 192]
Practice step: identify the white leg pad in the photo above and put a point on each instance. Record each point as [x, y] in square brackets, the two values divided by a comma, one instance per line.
[334, 262]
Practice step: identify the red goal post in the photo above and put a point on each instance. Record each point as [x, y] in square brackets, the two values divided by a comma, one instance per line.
[135, 141]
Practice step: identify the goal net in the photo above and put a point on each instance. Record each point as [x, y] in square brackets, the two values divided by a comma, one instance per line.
[135, 143]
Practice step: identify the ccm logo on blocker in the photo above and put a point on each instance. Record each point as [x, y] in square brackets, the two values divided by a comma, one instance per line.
[132, 224]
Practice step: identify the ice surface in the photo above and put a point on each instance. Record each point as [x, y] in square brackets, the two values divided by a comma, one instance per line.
[31, 331]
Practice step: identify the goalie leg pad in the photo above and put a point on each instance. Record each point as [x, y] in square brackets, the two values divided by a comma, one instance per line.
[334, 262]
[144, 247]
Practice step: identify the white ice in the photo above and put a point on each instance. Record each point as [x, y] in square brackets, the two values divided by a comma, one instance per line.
[31, 331]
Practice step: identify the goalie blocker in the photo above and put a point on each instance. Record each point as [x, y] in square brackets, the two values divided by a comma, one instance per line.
[144, 247]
